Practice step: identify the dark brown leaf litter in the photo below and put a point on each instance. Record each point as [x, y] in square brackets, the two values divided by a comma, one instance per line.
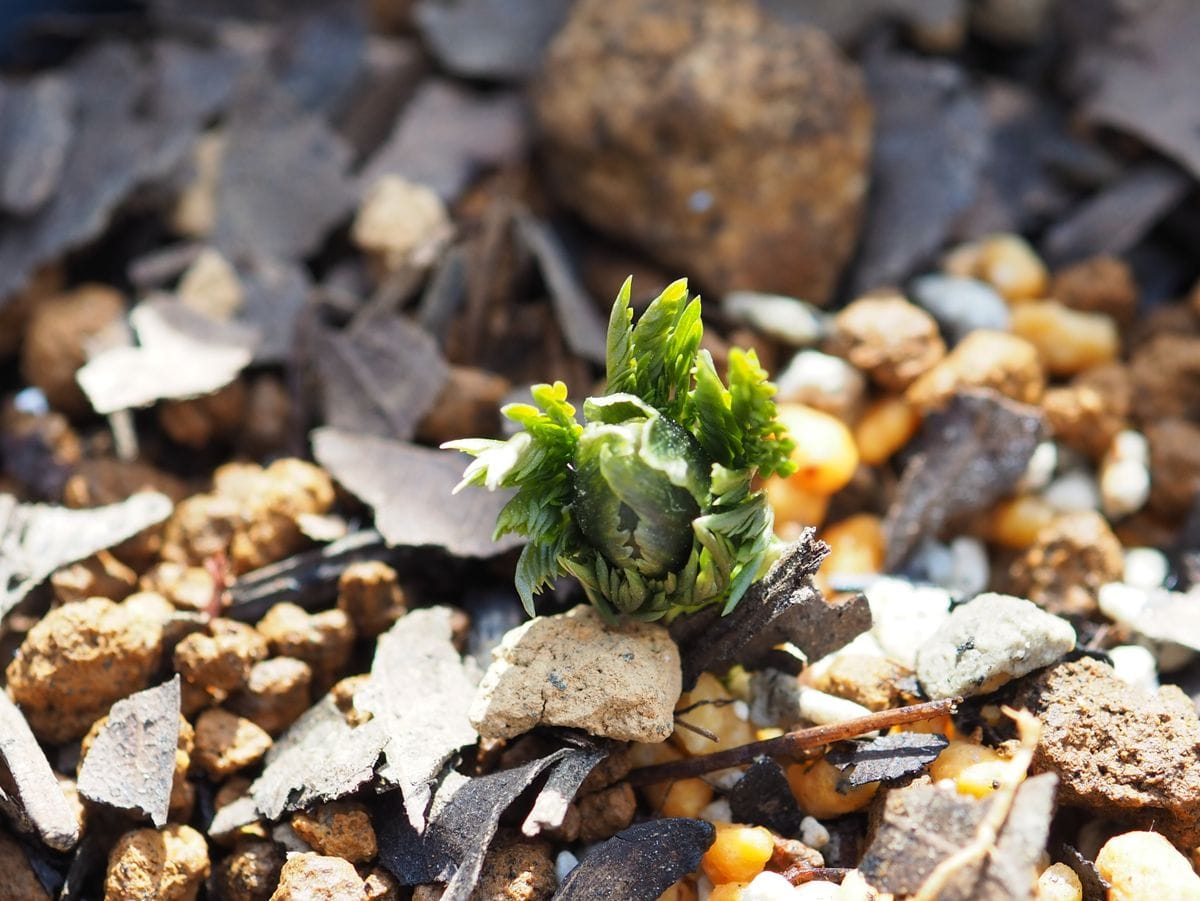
[419, 693]
[32, 797]
[321, 757]
[762, 797]
[967, 456]
[922, 825]
[37, 539]
[640, 863]
[783, 607]
[462, 823]
[131, 762]
[889, 758]
[1119, 750]
[181, 353]
[380, 376]
[550, 807]
[410, 488]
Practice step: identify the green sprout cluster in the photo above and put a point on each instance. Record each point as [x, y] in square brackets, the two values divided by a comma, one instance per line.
[649, 502]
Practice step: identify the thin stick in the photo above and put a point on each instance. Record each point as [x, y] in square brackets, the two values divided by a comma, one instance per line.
[793, 744]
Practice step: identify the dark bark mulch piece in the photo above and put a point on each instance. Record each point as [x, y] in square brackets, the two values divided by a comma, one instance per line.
[762, 797]
[885, 759]
[37, 803]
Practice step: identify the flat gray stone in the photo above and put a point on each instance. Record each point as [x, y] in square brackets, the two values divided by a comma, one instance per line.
[987, 643]
[960, 305]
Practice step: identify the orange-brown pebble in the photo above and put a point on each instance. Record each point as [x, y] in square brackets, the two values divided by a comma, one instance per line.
[56, 338]
[222, 658]
[1100, 284]
[815, 787]
[201, 526]
[516, 870]
[795, 507]
[168, 864]
[885, 426]
[1165, 375]
[339, 829]
[1016, 522]
[825, 453]
[888, 338]
[315, 877]
[197, 422]
[791, 852]
[856, 546]
[686, 798]
[983, 359]
[1174, 465]
[187, 587]
[1082, 418]
[710, 707]
[101, 575]
[276, 693]
[467, 405]
[738, 854]
[226, 743]
[250, 872]
[79, 659]
[322, 640]
[17, 877]
[380, 885]
[370, 594]
[864, 679]
[1067, 340]
[1004, 261]
[604, 813]
[1069, 561]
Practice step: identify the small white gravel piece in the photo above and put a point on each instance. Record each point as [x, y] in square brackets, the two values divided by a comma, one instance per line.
[717, 811]
[768, 886]
[1146, 567]
[564, 863]
[905, 616]
[1073, 492]
[825, 709]
[791, 321]
[1040, 469]
[816, 891]
[823, 381]
[1124, 487]
[813, 834]
[1136, 665]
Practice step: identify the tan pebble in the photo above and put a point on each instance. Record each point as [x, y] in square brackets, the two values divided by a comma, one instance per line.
[17, 878]
[221, 659]
[815, 787]
[983, 359]
[1059, 883]
[380, 885]
[1165, 374]
[1067, 340]
[201, 527]
[77, 660]
[168, 864]
[101, 575]
[370, 594]
[516, 870]
[1144, 866]
[864, 679]
[211, 286]
[1100, 284]
[401, 222]
[339, 829]
[605, 813]
[1068, 562]
[1004, 261]
[1082, 418]
[56, 336]
[198, 422]
[888, 338]
[195, 211]
[709, 706]
[322, 640]
[313, 877]
[276, 693]
[187, 587]
[1174, 465]
[250, 872]
[885, 426]
[226, 743]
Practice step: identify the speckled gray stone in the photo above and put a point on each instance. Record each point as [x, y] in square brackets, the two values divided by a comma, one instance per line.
[988, 642]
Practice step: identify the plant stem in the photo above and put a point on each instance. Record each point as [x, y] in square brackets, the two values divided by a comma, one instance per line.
[793, 744]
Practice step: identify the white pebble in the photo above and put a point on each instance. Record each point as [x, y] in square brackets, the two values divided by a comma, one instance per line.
[741, 710]
[813, 834]
[1136, 665]
[1146, 567]
[1040, 468]
[786, 319]
[1124, 487]
[1122, 603]
[768, 886]
[717, 811]
[564, 864]
[1130, 445]
[825, 709]
[724, 780]
[1073, 492]
[971, 568]
[823, 381]
[284, 834]
[905, 616]
[816, 891]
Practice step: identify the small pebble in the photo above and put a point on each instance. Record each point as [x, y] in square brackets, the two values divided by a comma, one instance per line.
[1144, 865]
[768, 886]
[823, 709]
[1136, 665]
[786, 319]
[812, 833]
[1124, 487]
[1146, 567]
[564, 863]
[717, 811]
[823, 381]
[905, 616]
[816, 891]
[961, 305]
[1122, 603]
[1059, 883]
[1040, 469]
[987, 643]
[1073, 492]
[971, 568]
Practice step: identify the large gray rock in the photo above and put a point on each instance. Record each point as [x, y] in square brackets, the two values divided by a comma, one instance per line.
[988, 642]
[575, 670]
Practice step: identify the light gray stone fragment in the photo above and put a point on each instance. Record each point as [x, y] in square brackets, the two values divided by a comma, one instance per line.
[988, 642]
[960, 305]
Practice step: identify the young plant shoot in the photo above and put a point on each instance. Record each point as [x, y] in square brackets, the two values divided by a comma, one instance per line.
[649, 502]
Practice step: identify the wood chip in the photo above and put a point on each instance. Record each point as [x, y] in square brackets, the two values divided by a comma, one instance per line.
[762, 797]
[640, 863]
[419, 692]
[560, 789]
[886, 759]
[33, 795]
[410, 488]
[181, 354]
[967, 456]
[37, 539]
[783, 607]
[131, 763]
